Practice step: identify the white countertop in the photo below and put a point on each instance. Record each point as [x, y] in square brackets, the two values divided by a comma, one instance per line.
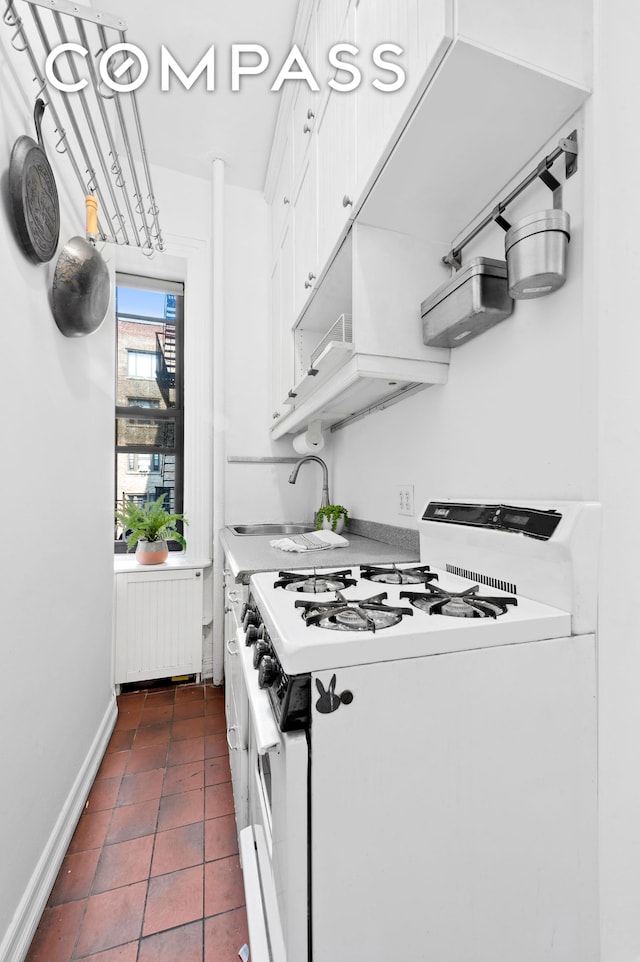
[247, 554]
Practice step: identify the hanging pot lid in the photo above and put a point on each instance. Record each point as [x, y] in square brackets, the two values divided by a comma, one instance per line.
[542, 220]
[33, 194]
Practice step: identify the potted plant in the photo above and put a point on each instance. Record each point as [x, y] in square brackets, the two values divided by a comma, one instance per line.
[148, 527]
[333, 516]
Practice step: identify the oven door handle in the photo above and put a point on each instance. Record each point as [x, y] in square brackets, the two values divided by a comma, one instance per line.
[266, 734]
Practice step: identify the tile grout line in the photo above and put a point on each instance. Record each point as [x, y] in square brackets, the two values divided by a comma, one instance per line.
[102, 847]
[209, 702]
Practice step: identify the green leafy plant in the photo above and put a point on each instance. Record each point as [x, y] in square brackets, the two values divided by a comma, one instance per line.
[150, 522]
[332, 512]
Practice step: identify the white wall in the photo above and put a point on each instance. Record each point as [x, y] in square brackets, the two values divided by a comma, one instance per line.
[612, 289]
[57, 505]
[516, 418]
[254, 492]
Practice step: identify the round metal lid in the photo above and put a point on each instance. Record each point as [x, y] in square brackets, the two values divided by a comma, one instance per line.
[541, 221]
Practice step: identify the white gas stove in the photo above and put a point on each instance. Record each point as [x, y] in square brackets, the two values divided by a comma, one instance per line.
[302, 647]
[489, 575]
[429, 745]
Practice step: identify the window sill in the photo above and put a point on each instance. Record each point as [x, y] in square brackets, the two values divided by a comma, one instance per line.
[176, 560]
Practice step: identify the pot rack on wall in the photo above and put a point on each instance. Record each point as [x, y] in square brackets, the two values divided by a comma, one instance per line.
[98, 128]
[567, 146]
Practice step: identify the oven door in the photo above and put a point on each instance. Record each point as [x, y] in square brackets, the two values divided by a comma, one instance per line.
[274, 845]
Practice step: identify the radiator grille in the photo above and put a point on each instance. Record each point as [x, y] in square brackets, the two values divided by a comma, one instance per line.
[158, 624]
[483, 579]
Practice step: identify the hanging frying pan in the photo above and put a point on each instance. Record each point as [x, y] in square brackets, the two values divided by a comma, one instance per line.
[80, 290]
[33, 194]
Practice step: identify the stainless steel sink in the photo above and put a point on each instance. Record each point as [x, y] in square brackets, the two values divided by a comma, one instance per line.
[273, 529]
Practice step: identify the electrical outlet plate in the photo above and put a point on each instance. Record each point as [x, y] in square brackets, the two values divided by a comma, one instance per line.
[404, 499]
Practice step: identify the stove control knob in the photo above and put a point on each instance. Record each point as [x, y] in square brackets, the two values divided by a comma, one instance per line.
[262, 631]
[261, 649]
[267, 671]
[251, 635]
[251, 618]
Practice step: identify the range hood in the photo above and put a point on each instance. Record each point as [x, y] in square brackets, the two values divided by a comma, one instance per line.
[363, 383]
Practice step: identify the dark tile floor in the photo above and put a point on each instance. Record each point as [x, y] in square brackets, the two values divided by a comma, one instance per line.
[152, 871]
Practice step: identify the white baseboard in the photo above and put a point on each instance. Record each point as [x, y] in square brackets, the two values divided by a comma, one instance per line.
[18, 937]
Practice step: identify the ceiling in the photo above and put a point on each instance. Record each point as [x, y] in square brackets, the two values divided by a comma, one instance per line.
[187, 129]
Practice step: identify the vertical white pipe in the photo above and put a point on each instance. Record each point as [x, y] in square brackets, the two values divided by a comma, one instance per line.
[219, 420]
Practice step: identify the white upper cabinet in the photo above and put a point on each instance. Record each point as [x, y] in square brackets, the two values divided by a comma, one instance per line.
[305, 103]
[330, 28]
[306, 233]
[283, 192]
[402, 175]
[281, 357]
[336, 170]
[423, 30]
[336, 153]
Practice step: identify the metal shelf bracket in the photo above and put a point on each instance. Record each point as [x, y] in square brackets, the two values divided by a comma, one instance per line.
[567, 146]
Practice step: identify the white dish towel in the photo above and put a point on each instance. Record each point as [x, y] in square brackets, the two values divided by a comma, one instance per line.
[311, 541]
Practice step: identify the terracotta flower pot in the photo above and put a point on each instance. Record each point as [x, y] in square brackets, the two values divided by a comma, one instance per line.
[151, 552]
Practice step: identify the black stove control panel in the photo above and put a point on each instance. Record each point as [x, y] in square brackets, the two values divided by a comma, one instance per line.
[533, 522]
[289, 695]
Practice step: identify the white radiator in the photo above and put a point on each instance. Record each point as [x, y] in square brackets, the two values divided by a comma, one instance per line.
[158, 624]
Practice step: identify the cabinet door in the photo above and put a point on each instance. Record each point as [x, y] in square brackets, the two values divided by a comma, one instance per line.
[330, 21]
[306, 233]
[236, 702]
[237, 714]
[281, 359]
[275, 358]
[417, 27]
[281, 203]
[335, 137]
[336, 170]
[305, 105]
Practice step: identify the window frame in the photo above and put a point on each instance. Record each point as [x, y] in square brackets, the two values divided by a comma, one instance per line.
[147, 413]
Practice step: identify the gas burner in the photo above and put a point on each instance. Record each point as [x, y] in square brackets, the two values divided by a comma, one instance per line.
[458, 604]
[392, 575]
[314, 583]
[348, 614]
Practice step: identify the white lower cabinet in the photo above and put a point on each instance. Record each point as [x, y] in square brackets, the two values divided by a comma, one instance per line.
[158, 624]
[236, 702]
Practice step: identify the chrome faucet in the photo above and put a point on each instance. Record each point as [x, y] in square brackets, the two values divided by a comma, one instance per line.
[325, 477]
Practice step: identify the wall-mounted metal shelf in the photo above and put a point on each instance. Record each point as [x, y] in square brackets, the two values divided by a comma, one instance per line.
[98, 128]
[567, 146]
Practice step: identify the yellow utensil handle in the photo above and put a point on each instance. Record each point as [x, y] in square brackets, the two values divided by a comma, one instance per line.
[91, 203]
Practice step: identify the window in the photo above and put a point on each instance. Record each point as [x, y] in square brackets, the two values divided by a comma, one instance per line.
[149, 394]
[141, 364]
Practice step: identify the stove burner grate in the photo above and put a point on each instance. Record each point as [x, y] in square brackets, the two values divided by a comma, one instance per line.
[458, 604]
[316, 582]
[392, 575]
[348, 614]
